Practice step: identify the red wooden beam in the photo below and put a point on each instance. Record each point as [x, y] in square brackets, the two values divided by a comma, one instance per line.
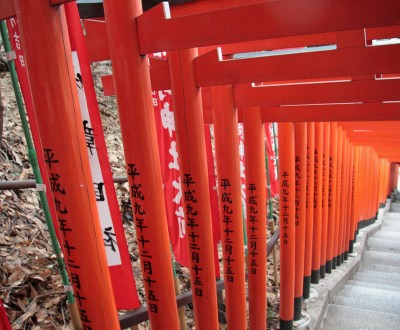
[158, 32]
[328, 38]
[7, 9]
[211, 70]
[355, 91]
[58, 2]
[374, 136]
[348, 112]
[196, 7]
[386, 32]
[371, 126]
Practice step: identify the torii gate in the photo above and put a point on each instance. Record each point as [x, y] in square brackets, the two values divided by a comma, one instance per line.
[156, 31]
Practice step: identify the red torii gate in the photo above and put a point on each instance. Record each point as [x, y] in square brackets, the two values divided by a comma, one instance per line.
[248, 23]
[212, 70]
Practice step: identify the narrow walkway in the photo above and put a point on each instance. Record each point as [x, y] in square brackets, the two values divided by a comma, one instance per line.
[371, 300]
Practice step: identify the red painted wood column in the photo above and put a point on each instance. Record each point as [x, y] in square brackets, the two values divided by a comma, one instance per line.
[349, 207]
[331, 195]
[230, 204]
[287, 208]
[344, 200]
[309, 209]
[338, 221]
[317, 202]
[189, 125]
[136, 113]
[44, 37]
[256, 212]
[325, 198]
[356, 209]
[300, 130]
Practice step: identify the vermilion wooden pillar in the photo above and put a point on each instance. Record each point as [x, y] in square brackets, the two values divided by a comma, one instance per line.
[230, 204]
[309, 209]
[317, 202]
[256, 217]
[300, 214]
[287, 222]
[189, 125]
[363, 189]
[356, 209]
[350, 205]
[136, 114]
[335, 260]
[354, 197]
[332, 195]
[343, 197]
[325, 198]
[44, 37]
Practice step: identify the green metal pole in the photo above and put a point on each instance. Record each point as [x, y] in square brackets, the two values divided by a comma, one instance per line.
[244, 231]
[35, 166]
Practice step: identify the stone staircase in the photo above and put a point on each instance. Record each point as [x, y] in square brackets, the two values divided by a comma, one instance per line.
[371, 299]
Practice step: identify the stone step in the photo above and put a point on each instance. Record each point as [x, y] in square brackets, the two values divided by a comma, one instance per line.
[381, 268]
[381, 258]
[376, 274]
[375, 285]
[395, 207]
[371, 305]
[386, 234]
[378, 295]
[384, 245]
[391, 222]
[377, 280]
[352, 318]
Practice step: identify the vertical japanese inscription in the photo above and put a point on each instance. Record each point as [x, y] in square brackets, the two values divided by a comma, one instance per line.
[142, 237]
[226, 202]
[252, 202]
[297, 169]
[194, 238]
[330, 181]
[285, 206]
[316, 165]
[59, 192]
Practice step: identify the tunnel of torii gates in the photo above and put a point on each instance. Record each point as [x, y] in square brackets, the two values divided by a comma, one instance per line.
[335, 99]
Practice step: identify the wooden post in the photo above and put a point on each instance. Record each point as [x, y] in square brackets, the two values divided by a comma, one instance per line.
[132, 85]
[332, 196]
[256, 212]
[287, 222]
[44, 37]
[189, 125]
[309, 209]
[300, 130]
[338, 222]
[317, 202]
[325, 198]
[230, 204]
